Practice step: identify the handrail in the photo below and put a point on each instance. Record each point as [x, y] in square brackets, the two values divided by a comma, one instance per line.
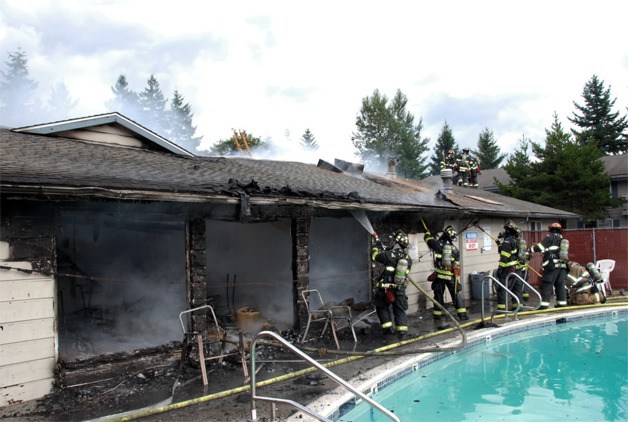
[525, 283]
[318, 366]
[487, 278]
[512, 294]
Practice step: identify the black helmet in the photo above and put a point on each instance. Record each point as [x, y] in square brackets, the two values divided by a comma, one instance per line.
[465, 149]
[402, 239]
[450, 232]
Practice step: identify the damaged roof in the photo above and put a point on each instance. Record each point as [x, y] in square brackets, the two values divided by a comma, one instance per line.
[34, 163]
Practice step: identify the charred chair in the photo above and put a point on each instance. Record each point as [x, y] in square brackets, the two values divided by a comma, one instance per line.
[215, 335]
[335, 317]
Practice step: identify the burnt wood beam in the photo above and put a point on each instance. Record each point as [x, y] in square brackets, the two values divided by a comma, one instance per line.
[196, 270]
[300, 266]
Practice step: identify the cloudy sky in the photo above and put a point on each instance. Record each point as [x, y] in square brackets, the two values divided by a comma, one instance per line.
[276, 68]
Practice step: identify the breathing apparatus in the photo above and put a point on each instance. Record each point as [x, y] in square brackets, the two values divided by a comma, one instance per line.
[447, 256]
[522, 253]
[593, 272]
[401, 270]
[563, 252]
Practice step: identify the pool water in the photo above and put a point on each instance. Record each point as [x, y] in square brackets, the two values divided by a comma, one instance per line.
[576, 371]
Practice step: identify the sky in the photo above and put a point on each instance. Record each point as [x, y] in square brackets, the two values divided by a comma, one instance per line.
[277, 68]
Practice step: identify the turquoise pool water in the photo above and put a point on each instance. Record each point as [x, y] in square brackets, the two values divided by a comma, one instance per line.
[575, 371]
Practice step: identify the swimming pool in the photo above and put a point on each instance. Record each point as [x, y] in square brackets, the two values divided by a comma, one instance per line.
[547, 370]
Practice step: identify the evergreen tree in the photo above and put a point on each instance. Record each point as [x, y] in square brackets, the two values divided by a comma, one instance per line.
[444, 143]
[125, 100]
[60, 103]
[180, 129]
[488, 153]
[518, 166]
[227, 147]
[153, 106]
[597, 122]
[18, 100]
[308, 141]
[387, 131]
[567, 175]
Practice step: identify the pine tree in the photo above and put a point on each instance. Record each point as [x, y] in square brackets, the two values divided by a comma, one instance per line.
[598, 123]
[18, 96]
[125, 100]
[488, 153]
[387, 131]
[444, 143]
[60, 103]
[180, 129]
[567, 175]
[518, 166]
[308, 141]
[153, 106]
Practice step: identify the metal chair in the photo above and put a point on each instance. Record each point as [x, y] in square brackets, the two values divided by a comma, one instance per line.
[605, 266]
[335, 317]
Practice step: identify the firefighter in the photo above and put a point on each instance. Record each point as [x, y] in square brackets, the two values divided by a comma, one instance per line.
[391, 284]
[474, 170]
[509, 262]
[446, 271]
[555, 250]
[582, 283]
[522, 266]
[451, 162]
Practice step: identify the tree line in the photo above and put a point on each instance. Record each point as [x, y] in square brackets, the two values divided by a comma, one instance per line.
[564, 171]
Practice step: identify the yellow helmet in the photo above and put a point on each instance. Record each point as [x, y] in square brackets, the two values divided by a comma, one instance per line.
[402, 238]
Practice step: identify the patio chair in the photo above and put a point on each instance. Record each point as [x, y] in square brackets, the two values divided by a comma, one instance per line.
[605, 266]
[335, 317]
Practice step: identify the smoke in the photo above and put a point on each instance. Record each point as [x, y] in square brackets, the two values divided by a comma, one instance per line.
[125, 281]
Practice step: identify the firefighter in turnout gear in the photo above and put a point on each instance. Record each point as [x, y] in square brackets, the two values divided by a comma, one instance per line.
[555, 257]
[446, 271]
[450, 161]
[391, 284]
[509, 262]
[583, 282]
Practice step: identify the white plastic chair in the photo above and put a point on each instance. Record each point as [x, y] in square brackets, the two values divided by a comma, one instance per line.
[605, 266]
[336, 317]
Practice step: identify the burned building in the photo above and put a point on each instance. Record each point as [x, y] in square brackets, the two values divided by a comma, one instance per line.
[109, 232]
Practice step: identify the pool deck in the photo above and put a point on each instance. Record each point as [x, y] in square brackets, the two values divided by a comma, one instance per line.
[369, 382]
[282, 375]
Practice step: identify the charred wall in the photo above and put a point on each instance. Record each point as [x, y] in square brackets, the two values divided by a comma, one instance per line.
[28, 228]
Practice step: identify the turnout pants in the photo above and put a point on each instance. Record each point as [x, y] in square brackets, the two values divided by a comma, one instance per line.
[399, 308]
[553, 281]
[439, 295]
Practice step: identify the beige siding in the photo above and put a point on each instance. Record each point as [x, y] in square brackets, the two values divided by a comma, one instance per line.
[26, 289]
[23, 310]
[27, 338]
[13, 332]
[422, 267]
[25, 372]
[485, 258]
[25, 391]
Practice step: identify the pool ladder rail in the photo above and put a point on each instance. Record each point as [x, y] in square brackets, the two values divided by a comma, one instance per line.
[519, 307]
[327, 372]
